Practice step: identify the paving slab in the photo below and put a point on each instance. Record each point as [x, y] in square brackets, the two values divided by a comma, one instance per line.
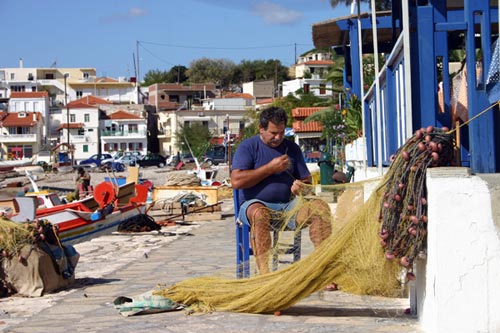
[129, 265]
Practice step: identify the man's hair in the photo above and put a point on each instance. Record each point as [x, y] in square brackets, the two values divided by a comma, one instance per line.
[272, 114]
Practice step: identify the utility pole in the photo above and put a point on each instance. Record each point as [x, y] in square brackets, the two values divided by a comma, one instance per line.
[67, 107]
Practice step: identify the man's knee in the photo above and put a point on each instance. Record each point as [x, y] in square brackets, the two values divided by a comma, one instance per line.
[258, 213]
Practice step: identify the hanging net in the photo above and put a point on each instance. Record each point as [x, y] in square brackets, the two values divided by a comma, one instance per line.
[368, 254]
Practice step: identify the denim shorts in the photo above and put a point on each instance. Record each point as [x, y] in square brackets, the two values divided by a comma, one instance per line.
[278, 207]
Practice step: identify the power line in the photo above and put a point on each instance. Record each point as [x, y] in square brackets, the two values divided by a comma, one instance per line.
[221, 48]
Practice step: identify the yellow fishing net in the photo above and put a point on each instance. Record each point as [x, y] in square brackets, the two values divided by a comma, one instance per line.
[392, 221]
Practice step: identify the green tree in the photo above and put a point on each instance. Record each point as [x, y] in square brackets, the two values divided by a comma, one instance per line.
[217, 71]
[176, 74]
[155, 76]
[195, 136]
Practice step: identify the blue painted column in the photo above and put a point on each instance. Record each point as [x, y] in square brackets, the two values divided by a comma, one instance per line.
[482, 129]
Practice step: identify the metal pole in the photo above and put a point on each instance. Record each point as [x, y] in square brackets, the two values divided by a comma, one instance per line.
[377, 89]
[228, 143]
[67, 108]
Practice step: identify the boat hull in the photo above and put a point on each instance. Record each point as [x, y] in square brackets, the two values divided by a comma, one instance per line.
[77, 226]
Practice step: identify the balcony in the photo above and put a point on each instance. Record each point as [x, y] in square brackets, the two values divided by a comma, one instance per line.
[164, 134]
[18, 138]
[132, 134]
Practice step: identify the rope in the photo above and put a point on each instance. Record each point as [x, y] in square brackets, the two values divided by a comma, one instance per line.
[476, 116]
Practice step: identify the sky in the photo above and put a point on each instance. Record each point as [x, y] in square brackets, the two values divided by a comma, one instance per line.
[126, 37]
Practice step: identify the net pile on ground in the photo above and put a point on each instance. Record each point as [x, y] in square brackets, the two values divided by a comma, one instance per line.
[351, 257]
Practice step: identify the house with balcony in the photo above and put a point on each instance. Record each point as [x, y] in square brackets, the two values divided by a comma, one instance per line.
[122, 131]
[32, 101]
[79, 126]
[21, 135]
[309, 73]
[169, 100]
[67, 84]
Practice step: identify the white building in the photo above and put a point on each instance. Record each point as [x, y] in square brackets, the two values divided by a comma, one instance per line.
[123, 131]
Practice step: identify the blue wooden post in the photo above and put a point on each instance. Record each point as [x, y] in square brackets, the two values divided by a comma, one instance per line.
[482, 129]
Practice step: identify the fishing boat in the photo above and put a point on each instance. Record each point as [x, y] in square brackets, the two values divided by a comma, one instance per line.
[78, 221]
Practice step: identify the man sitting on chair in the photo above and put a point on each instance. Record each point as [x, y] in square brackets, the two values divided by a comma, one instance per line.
[269, 173]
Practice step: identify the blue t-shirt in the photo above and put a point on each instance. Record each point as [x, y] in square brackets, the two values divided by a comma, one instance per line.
[253, 153]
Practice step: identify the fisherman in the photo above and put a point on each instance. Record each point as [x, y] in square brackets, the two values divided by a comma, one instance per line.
[269, 172]
[82, 182]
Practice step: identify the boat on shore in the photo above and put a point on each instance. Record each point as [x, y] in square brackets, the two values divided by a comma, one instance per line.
[78, 221]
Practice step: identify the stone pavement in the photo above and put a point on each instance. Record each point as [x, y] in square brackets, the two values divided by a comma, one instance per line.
[129, 265]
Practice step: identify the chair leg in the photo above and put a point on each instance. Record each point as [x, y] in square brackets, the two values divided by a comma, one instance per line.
[242, 250]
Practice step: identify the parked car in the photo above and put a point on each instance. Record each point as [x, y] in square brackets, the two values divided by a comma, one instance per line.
[96, 160]
[215, 155]
[129, 159]
[187, 158]
[152, 159]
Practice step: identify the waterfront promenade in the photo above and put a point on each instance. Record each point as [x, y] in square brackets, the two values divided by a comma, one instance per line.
[129, 265]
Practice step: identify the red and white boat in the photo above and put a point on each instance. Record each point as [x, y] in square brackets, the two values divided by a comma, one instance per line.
[78, 221]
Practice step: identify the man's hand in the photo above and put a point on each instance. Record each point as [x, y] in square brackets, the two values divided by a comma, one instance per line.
[279, 164]
[298, 187]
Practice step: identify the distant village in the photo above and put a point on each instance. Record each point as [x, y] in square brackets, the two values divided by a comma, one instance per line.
[44, 111]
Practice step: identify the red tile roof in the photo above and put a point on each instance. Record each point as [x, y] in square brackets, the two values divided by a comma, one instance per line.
[71, 125]
[121, 115]
[305, 112]
[105, 80]
[319, 62]
[30, 119]
[265, 101]
[87, 101]
[239, 95]
[29, 94]
[312, 126]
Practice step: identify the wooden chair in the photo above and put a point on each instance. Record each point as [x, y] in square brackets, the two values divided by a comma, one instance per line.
[244, 250]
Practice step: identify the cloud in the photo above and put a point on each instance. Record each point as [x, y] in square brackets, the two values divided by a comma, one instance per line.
[132, 13]
[275, 14]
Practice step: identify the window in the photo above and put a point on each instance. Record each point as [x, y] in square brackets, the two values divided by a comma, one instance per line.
[123, 146]
[133, 128]
[79, 94]
[306, 88]
[85, 148]
[12, 76]
[33, 89]
[86, 117]
[322, 89]
[81, 131]
[86, 75]
[72, 118]
[18, 88]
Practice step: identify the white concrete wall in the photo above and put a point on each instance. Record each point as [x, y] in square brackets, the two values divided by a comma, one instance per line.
[458, 285]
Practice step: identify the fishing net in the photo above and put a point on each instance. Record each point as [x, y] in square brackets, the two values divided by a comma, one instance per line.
[366, 255]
